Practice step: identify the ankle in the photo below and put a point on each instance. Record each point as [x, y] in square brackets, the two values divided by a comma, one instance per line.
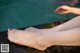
[42, 42]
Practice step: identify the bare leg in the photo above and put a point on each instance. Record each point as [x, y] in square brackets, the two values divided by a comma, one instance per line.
[73, 23]
[68, 38]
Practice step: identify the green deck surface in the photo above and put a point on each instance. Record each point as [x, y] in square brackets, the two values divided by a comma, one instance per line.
[26, 13]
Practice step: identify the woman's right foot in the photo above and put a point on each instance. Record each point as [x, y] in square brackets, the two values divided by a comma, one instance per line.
[27, 38]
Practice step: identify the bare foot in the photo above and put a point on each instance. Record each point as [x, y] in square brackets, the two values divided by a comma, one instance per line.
[26, 38]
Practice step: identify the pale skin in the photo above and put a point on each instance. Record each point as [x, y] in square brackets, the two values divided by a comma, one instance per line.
[67, 34]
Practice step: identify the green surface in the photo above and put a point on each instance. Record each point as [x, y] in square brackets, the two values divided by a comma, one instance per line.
[26, 13]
